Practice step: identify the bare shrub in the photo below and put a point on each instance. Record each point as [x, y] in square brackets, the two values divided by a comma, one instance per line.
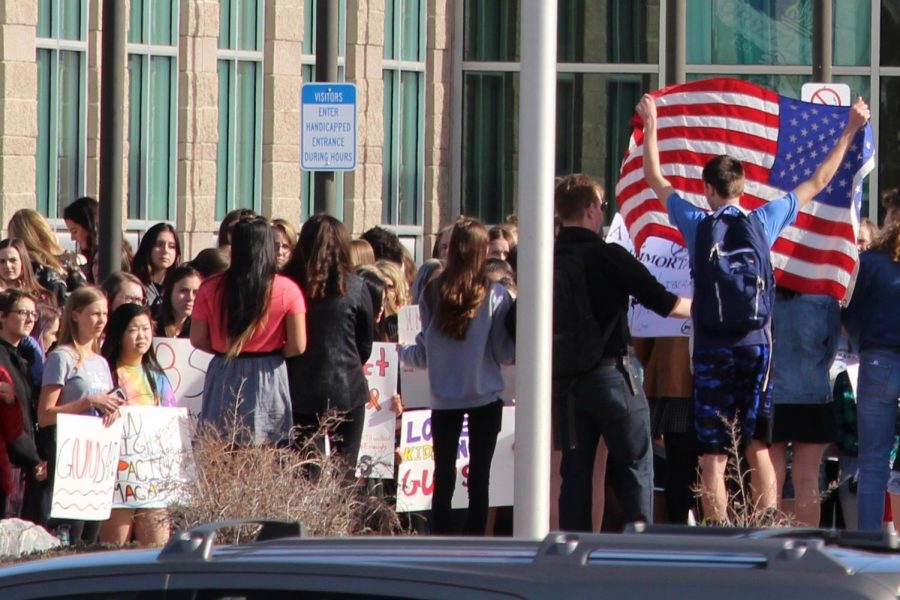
[236, 480]
[741, 510]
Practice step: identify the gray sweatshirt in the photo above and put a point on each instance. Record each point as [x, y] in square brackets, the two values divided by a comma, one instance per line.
[465, 373]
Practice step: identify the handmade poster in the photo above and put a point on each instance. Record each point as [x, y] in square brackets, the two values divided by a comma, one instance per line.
[409, 323]
[185, 366]
[87, 453]
[376, 450]
[670, 264]
[155, 459]
[416, 471]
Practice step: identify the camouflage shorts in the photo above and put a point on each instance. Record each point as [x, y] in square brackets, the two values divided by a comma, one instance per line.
[728, 383]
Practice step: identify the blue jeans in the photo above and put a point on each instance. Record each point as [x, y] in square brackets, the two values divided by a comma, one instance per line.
[877, 398]
[603, 405]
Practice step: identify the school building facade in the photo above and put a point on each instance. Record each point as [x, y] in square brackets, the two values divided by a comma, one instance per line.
[213, 98]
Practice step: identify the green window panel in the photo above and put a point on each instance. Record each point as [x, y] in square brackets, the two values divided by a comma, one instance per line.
[152, 130]
[62, 100]
[612, 31]
[888, 137]
[240, 65]
[491, 30]
[890, 33]
[739, 32]
[404, 112]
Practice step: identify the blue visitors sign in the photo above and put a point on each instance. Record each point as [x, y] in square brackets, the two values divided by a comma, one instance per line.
[328, 127]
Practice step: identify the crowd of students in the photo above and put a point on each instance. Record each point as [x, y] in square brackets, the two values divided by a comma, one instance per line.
[291, 318]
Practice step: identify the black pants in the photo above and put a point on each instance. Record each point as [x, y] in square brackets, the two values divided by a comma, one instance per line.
[345, 436]
[446, 427]
[681, 474]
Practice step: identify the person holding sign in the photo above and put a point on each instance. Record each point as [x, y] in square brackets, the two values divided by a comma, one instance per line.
[252, 319]
[462, 344]
[77, 381]
[128, 349]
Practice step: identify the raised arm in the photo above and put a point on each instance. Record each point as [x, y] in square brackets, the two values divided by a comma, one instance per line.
[806, 191]
[646, 108]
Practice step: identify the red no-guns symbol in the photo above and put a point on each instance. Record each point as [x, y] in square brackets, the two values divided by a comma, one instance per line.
[826, 95]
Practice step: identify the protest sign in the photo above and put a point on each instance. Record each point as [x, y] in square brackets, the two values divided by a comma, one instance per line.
[409, 324]
[670, 264]
[155, 460]
[86, 456]
[416, 471]
[185, 366]
[618, 233]
[376, 449]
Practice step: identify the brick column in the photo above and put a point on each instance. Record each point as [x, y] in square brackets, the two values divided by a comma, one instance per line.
[198, 126]
[438, 81]
[282, 77]
[18, 110]
[365, 52]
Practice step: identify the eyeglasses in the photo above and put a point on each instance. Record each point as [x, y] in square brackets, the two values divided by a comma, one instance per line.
[25, 313]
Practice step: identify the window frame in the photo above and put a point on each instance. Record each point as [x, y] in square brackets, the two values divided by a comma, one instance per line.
[147, 51]
[52, 205]
[234, 56]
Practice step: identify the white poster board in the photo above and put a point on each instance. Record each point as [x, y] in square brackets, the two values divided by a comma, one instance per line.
[416, 471]
[87, 453]
[376, 450]
[155, 460]
[409, 324]
[185, 366]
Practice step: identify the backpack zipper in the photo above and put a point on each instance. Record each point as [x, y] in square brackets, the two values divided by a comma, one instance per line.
[719, 302]
[760, 285]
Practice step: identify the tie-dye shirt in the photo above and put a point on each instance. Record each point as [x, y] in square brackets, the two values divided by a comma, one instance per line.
[134, 382]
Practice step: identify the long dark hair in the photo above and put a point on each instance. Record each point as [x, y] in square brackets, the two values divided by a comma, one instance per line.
[321, 260]
[462, 286]
[119, 321]
[85, 212]
[27, 280]
[248, 281]
[176, 274]
[142, 265]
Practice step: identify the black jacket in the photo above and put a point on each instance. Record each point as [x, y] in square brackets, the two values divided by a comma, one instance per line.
[339, 333]
[23, 451]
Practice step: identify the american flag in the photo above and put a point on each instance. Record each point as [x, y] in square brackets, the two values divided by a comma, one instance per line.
[780, 142]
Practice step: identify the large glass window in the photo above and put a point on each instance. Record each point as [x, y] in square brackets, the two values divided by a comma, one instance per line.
[152, 70]
[607, 32]
[62, 62]
[240, 65]
[404, 110]
[615, 44]
[738, 32]
[889, 137]
[308, 60]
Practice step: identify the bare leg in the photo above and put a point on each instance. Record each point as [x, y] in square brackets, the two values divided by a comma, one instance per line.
[712, 487]
[117, 529]
[762, 475]
[805, 474]
[778, 453]
[151, 526]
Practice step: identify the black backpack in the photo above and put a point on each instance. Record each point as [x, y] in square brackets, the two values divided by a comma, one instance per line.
[734, 285]
[578, 337]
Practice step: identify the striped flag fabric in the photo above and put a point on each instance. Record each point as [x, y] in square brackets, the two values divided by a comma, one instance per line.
[780, 142]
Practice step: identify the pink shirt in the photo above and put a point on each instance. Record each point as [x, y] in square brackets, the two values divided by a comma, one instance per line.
[270, 335]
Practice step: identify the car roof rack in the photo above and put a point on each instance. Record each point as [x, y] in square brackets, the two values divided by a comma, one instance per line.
[671, 547]
[196, 544]
[879, 541]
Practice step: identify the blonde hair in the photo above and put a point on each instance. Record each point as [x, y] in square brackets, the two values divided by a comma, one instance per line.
[76, 302]
[289, 231]
[393, 276]
[31, 227]
[361, 253]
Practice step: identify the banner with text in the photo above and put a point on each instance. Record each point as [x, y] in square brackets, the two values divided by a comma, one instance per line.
[416, 471]
[87, 453]
[376, 449]
[185, 366]
[155, 460]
